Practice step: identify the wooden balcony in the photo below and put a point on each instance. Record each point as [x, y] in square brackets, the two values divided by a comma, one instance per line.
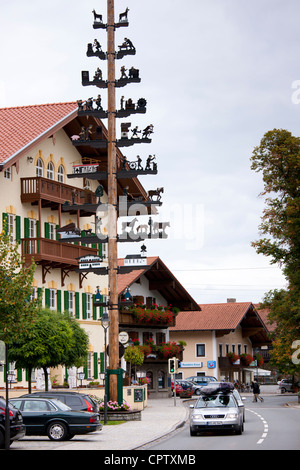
[127, 319]
[53, 253]
[51, 193]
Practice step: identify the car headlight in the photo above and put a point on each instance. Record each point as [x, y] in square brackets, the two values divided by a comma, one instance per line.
[232, 415]
[197, 417]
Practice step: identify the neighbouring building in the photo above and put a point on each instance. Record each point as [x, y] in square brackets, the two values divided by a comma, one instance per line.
[221, 340]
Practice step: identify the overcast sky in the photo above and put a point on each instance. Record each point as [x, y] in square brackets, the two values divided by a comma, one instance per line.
[217, 75]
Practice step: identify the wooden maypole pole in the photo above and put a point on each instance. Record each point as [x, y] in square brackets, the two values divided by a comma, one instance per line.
[112, 201]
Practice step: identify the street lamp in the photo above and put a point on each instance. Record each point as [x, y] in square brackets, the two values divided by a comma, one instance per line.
[105, 322]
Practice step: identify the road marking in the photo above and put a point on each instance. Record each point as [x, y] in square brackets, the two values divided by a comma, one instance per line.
[266, 427]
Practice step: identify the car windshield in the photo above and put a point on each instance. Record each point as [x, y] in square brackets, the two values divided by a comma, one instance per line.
[213, 401]
[59, 404]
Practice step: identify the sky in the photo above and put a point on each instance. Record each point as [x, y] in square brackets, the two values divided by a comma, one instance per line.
[217, 75]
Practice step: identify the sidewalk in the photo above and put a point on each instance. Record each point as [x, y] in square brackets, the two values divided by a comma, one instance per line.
[159, 418]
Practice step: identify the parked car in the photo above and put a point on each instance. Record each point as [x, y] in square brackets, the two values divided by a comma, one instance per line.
[75, 400]
[17, 427]
[183, 390]
[186, 383]
[287, 385]
[216, 411]
[201, 380]
[52, 418]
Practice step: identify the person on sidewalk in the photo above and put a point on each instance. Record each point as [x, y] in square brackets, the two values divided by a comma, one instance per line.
[256, 391]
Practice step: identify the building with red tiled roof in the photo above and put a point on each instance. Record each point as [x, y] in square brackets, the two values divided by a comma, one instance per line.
[156, 290]
[216, 331]
[37, 179]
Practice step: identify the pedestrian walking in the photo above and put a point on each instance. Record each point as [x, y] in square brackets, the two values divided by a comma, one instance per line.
[256, 391]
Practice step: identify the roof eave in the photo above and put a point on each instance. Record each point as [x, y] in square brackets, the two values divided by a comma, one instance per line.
[55, 128]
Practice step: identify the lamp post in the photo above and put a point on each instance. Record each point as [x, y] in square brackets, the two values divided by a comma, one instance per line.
[105, 322]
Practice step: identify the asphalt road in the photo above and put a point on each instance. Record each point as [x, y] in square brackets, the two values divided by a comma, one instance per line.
[269, 426]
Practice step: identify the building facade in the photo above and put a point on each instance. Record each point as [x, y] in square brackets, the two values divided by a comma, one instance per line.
[221, 341]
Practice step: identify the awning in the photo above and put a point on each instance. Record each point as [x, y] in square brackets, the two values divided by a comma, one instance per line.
[258, 371]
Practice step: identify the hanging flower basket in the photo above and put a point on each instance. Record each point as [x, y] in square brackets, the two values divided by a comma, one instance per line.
[246, 359]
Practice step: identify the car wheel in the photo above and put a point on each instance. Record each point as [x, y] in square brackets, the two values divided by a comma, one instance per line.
[1, 440]
[283, 390]
[239, 429]
[192, 432]
[197, 391]
[57, 431]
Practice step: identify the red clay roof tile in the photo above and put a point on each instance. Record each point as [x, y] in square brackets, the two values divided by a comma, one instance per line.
[21, 125]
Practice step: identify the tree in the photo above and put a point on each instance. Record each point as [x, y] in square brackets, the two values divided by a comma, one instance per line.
[52, 339]
[16, 308]
[278, 158]
[134, 356]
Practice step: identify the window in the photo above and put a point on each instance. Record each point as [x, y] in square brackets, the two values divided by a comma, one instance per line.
[239, 351]
[200, 350]
[89, 307]
[90, 365]
[233, 348]
[61, 174]
[7, 173]
[52, 303]
[71, 303]
[160, 338]
[34, 293]
[11, 226]
[50, 171]
[161, 379]
[147, 335]
[245, 348]
[39, 169]
[220, 350]
[52, 231]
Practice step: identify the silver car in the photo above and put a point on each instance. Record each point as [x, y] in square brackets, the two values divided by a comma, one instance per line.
[219, 411]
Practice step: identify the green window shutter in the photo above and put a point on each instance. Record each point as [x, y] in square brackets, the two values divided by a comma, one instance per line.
[102, 362]
[66, 300]
[40, 293]
[85, 370]
[95, 365]
[19, 375]
[37, 225]
[26, 228]
[18, 228]
[57, 234]
[27, 375]
[4, 222]
[94, 308]
[58, 293]
[47, 298]
[47, 230]
[77, 315]
[83, 306]
[101, 308]
[100, 249]
[83, 235]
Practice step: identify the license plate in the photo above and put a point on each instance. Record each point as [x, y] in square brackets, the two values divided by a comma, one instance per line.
[213, 423]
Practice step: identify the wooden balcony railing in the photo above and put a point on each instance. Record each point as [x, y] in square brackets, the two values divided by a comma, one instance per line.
[43, 250]
[35, 188]
[128, 319]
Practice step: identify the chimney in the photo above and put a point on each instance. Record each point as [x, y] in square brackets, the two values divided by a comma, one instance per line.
[232, 301]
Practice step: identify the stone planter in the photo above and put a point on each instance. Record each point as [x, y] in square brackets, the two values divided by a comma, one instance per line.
[122, 415]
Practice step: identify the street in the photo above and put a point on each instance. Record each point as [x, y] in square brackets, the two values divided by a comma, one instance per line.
[269, 426]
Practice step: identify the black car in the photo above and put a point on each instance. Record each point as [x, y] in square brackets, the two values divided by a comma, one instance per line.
[52, 418]
[17, 427]
[75, 400]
